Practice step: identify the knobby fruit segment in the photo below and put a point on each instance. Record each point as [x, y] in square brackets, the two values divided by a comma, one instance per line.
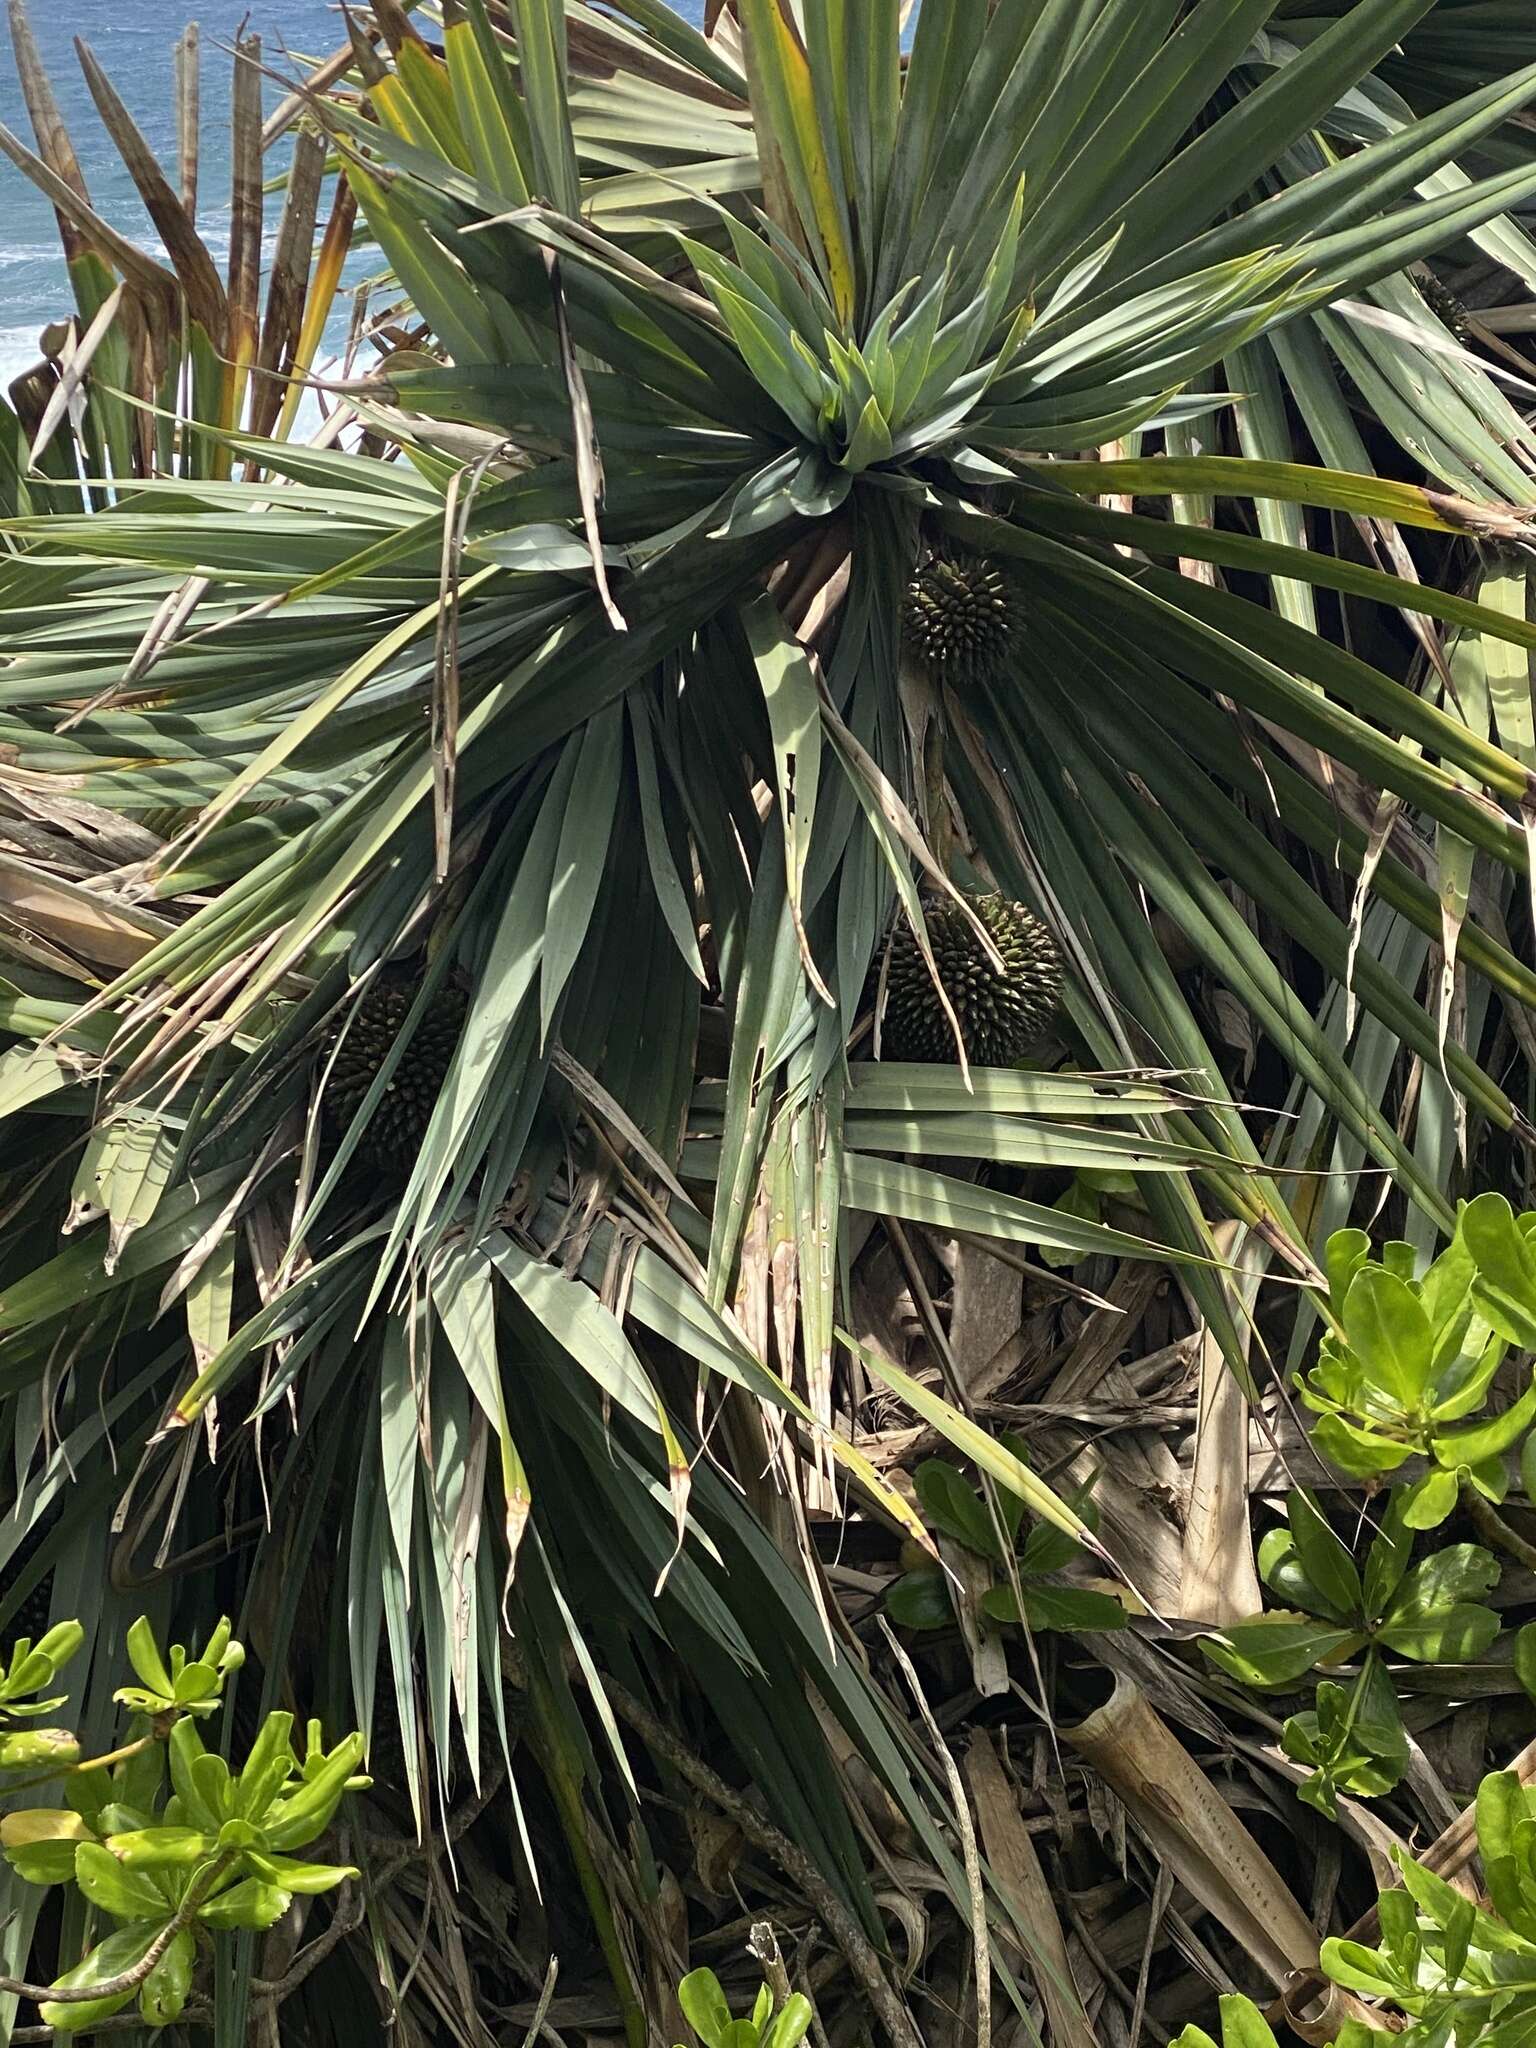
[962, 619]
[400, 1118]
[1000, 1015]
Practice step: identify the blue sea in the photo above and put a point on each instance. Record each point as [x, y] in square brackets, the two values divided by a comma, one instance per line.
[134, 41]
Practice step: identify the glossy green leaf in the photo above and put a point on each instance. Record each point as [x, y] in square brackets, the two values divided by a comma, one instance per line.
[164, 1991]
[952, 1506]
[1275, 1649]
[115, 1886]
[120, 1952]
[1505, 1288]
[1324, 1557]
[1387, 1329]
[1485, 1440]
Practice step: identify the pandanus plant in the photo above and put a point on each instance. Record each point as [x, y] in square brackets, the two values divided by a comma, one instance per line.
[808, 489]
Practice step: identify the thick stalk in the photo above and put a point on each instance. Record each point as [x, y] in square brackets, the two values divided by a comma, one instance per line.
[565, 1784]
[1491, 1525]
[858, 1952]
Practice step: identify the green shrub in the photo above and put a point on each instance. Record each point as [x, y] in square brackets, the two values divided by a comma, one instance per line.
[1405, 1370]
[1408, 1362]
[162, 1839]
[708, 2011]
[1027, 1584]
[1451, 1969]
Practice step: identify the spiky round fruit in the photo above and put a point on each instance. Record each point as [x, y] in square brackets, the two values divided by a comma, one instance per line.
[399, 1119]
[1000, 1015]
[962, 618]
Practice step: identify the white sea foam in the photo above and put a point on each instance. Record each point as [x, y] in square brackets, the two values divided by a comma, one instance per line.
[18, 351]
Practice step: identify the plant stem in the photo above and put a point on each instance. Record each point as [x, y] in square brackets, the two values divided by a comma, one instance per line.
[193, 2014]
[1489, 1523]
[564, 1776]
[351, 1903]
[858, 1951]
[88, 1763]
[116, 1756]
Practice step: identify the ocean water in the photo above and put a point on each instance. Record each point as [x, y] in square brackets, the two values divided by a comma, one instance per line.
[134, 41]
